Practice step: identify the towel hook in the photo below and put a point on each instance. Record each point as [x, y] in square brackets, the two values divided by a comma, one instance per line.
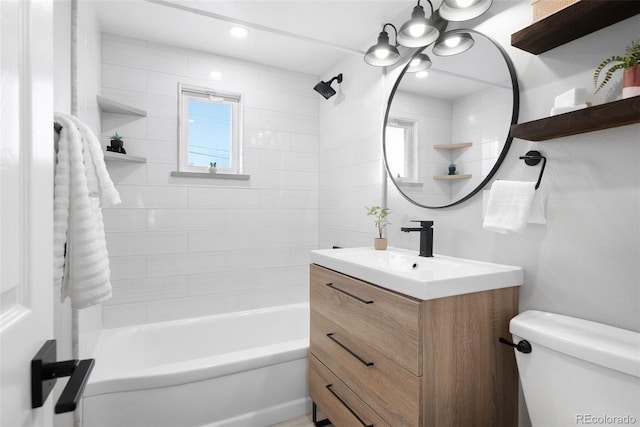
[532, 158]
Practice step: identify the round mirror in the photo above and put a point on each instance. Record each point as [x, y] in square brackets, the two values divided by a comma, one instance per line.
[447, 130]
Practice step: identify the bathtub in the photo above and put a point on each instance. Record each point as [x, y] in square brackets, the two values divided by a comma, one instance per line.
[236, 369]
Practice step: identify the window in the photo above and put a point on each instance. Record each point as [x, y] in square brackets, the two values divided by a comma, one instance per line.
[209, 130]
[400, 148]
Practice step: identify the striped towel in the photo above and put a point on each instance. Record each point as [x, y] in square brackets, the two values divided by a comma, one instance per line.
[81, 186]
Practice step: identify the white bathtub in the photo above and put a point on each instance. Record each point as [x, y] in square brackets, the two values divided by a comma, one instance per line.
[237, 369]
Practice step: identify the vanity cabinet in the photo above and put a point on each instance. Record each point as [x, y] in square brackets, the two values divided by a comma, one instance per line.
[380, 358]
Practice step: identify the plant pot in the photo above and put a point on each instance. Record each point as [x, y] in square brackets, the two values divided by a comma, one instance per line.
[213, 169]
[631, 82]
[116, 145]
[380, 244]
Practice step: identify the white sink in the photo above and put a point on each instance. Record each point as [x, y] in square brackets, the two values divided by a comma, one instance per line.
[420, 277]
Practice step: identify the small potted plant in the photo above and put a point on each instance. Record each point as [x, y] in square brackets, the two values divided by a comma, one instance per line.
[629, 63]
[117, 144]
[452, 169]
[212, 167]
[380, 243]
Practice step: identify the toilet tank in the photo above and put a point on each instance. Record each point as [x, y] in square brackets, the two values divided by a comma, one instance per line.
[578, 372]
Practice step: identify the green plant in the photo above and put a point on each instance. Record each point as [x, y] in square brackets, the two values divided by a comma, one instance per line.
[381, 215]
[631, 58]
[212, 164]
[116, 137]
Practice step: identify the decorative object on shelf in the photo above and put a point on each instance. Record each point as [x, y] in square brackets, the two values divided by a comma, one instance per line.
[571, 100]
[117, 145]
[213, 167]
[452, 169]
[380, 243]
[629, 63]
[544, 8]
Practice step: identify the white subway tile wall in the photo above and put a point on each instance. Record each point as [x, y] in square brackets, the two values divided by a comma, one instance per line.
[351, 172]
[183, 247]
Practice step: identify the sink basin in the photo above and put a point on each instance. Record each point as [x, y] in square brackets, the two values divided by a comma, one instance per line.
[419, 277]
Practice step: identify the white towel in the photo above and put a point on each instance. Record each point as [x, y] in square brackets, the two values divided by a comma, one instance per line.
[509, 206]
[81, 185]
[561, 110]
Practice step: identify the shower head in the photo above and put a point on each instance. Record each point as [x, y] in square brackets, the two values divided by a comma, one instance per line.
[325, 89]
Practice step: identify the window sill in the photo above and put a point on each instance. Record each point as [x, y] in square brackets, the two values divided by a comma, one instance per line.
[207, 175]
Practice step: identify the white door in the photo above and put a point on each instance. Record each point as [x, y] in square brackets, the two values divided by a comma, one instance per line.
[26, 200]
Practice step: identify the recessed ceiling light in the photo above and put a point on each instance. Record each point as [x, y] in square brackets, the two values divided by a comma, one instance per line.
[239, 32]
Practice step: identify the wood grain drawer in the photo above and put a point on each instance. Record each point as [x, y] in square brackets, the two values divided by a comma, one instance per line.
[344, 408]
[386, 321]
[389, 389]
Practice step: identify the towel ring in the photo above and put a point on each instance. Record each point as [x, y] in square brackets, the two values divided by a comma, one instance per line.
[532, 158]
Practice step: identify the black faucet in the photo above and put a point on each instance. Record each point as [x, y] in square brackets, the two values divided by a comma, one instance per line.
[426, 236]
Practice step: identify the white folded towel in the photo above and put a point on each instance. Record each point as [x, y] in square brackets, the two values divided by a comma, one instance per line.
[561, 110]
[509, 206]
[81, 185]
[575, 96]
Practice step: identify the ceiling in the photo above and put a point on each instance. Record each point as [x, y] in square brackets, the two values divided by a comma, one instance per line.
[307, 36]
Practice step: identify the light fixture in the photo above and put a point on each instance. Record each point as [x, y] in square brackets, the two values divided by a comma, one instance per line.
[419, 63]
[453, 43]
[463, 10]
[383, 53]
[325, 89]
[238, 32]
[419, 30]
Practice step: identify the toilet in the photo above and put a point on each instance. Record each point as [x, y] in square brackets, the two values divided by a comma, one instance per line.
[578, 372]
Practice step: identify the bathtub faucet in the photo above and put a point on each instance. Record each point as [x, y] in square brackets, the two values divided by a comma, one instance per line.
[426, 236]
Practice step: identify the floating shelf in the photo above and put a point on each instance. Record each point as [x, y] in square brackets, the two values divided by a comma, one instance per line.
[604, 116]
[451, 177]
[119, 157]
[573, 22]
[452, 146]
[108, 105]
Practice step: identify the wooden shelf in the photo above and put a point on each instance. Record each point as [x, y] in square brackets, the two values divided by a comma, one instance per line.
[452, 146]
[604, 116]
[108, 105]
[573, 22]
[119, 157]
[451, 177]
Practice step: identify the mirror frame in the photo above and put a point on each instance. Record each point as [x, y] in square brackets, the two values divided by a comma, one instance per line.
[514, 119]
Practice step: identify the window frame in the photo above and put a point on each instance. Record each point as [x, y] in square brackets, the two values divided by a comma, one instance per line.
[187, 92]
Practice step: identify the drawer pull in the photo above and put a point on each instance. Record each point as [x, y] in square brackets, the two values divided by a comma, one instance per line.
[364, 301]
[348, 350]
[330, 388]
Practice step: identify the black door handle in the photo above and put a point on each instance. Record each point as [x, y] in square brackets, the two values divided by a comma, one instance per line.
[45, 371]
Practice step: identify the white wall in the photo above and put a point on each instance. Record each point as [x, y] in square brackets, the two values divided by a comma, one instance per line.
[586, 261]
[182, 247]
[350, 171]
